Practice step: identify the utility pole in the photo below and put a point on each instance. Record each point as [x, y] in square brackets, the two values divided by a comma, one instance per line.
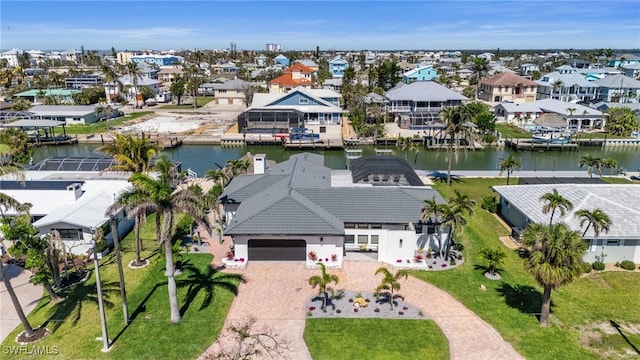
[116, 244]
[103, 319]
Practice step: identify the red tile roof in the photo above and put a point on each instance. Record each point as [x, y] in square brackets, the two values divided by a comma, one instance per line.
[299, 67]
[506, 78]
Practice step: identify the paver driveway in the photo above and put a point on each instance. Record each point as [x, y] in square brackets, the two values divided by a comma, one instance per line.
[276, 293]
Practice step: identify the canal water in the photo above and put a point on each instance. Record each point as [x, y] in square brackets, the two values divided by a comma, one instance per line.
[203, 157]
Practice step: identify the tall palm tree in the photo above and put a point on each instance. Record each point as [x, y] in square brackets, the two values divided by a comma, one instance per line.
[556, 85]
[456, 120]
[167, 202]
[596, 218]
[323, 282]
[131, 152]
[134, 199]
[463, 202]
[111, 78]
[135, 72]
[590, 162]
[554, 201]
[610, 164]
[453, 216]
[218, 176]
[104, 113]
[390, 281]
[479, 67]
[555, 259]
[432, 213]
[509, 164]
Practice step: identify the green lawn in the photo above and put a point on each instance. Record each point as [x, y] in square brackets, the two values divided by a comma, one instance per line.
[510, 131]
[511, 304]
[617, 180]
[101, 126]
[374, 339]
[75, 324]
[202, 101]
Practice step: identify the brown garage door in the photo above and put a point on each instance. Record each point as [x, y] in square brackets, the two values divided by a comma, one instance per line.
[278, 250]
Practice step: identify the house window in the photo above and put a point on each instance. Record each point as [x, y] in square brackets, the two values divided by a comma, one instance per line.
[70, 234]
[303, 101]
[363, 239]
[376, 226]
[374, 239]
[613, 242]
[349, 239]
[363, 226]
[323, 129]
[349, 226]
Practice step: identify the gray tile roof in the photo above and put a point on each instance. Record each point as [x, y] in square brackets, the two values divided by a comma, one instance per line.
[423, 91]
[395, 205]
[618, 81]
[620, 202]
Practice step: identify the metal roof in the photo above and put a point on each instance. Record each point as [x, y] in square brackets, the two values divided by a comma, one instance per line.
[618, 81]
[423, 91]
[88, 211]
[619, 201]
[37, 185]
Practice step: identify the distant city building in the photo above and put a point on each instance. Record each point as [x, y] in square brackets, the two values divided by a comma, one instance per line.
[11, 56]
[274, 47]
[124, 57]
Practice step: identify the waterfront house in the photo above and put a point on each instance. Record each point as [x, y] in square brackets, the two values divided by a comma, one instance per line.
[618, 88]
[337, 66]
[226, 93]
[566, 85]
[527, 69]
[272, 113]
[519, 207]
[424, 73]
[507, 86]
[632, 70]
[625, 59]
[418, 105]
[281, 60]
[70, 114]
[290, 210]
[578, 117]
[128, 83]
[294, 76]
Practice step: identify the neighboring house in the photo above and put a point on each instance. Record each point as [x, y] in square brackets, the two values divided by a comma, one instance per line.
[160, 60]
[226, 93]
[11, 56]
[332, 84]
[167, 75]
[519, 206]
[291, 209]
[499, 68]
[618, 88]
[337, 66]
[36, 96]
[464, 73]
[507, 86]
[294, 76]
[577, 117]
[69, 55]
[604, 106]
[127, 82]
[527, 69]
[625, 59]
[418, 105]
[487, 56]
[281, 60]
[425, 73]
[309, 63]
[632, 70]
[83, 81]
[261, 60]
[70, 114]
[74, 207]
[566, 86]
[277, 113]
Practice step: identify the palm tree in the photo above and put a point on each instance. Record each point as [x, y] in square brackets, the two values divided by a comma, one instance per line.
[218, 176]
[131, 153]
[135, 72]
[493, 259]
[432, 213]
[167, 202]
[104, 112]
[570, 111]
[556, 85]
[390, 282]
[596, 218]
[111, 78]
[610, 164]
[323, 282]
[509, 164]
[135, 200]
[456, 128]
[480, 67]
[554, 201]
[590, 162]
[555, 259]
[453, 216]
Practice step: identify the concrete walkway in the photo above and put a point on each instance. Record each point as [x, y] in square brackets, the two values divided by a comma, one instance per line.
[276, 292]
[28, 296]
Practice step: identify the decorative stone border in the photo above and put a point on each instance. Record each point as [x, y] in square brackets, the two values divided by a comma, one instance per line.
[235, 263]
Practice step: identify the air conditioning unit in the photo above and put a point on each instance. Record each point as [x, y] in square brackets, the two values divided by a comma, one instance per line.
[517, 233]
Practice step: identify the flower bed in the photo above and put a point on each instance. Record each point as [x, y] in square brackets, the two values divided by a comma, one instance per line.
[235, 263]
[375, 308]
[433, 263]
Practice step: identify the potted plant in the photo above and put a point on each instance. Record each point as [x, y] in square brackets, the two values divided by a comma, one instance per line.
[229, 255]
[334, 257]
[312, 256]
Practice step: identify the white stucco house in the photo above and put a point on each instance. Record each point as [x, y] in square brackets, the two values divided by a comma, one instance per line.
[520, 206]
[288, 211]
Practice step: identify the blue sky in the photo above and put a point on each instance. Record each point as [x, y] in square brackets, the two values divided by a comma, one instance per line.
[299, 25]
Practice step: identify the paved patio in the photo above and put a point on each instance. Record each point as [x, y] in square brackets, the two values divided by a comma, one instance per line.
[28, 296]
[276, 293]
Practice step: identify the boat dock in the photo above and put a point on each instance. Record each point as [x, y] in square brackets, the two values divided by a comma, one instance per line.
[528, 144]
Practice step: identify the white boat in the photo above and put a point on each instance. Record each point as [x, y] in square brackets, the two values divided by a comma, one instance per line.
[551, 138]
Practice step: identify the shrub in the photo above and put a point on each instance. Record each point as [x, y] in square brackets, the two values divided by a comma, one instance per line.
[334, 257]
[586, 267]
[312, 256]
[598, 265]
[628, 265]
[229, 255]
[490, 204]
[458, 246]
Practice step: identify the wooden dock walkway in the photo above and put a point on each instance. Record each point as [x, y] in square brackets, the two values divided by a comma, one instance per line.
[528, 144]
